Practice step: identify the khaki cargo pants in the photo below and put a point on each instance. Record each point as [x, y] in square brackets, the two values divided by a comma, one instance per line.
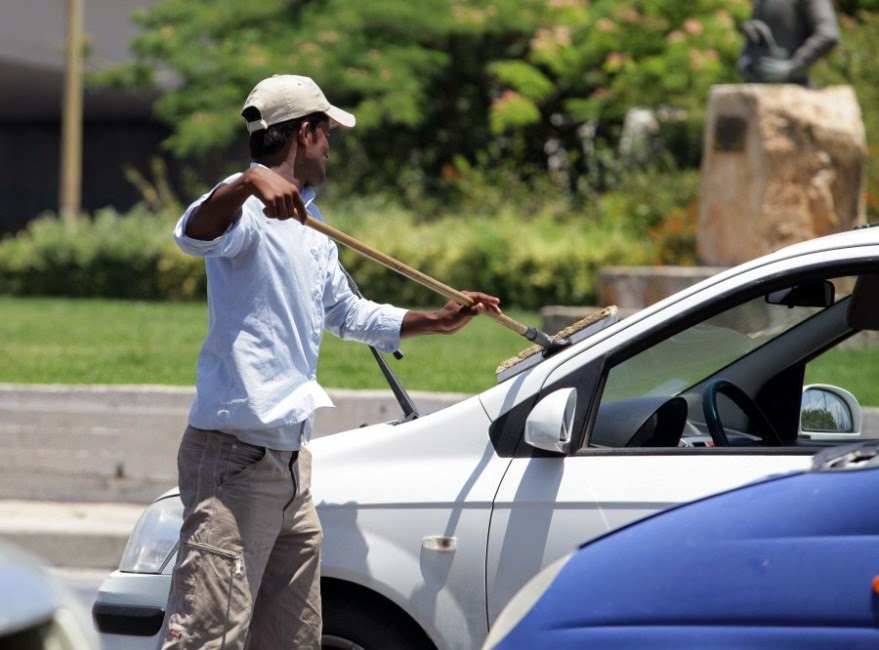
[247, 572]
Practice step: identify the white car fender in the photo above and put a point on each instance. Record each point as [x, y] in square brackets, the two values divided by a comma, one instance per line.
[411, 504]
[410, 572]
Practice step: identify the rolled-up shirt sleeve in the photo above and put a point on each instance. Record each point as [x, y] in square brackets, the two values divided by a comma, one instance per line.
[350, 317]
[240, 233]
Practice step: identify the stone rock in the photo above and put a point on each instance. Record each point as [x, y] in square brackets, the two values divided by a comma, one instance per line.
[629, 289]
[781, 164]
[636, 287]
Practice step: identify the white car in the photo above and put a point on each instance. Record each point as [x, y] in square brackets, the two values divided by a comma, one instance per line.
[433, 523]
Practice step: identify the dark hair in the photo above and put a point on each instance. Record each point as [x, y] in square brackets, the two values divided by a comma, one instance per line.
[271, 140]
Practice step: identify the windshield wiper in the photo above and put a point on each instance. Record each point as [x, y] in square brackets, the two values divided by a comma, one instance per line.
[403, 399]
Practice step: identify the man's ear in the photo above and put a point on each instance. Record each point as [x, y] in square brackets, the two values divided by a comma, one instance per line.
[302, 133]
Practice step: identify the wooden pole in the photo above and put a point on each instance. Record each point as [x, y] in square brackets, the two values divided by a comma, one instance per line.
[541, 338]
[71, 117]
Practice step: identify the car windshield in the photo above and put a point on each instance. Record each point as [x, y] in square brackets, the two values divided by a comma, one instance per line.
[689, 356]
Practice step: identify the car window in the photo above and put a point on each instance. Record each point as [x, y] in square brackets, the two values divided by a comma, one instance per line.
[839, 383]
[686, 358]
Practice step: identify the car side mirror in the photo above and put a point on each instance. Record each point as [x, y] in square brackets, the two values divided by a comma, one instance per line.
[829, 413]
[550, 423]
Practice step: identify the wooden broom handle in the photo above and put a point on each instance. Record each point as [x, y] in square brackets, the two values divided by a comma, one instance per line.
[407, 271]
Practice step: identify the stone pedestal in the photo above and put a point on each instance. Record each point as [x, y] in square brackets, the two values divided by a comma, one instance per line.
[629, 288]
[781, 164]
[635, 287]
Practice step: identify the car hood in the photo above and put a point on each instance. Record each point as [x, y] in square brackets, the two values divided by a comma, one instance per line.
[426, 460]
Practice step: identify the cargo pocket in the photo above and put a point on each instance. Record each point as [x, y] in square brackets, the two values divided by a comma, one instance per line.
[212, 608]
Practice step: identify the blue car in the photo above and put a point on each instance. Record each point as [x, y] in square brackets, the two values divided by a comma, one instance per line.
[789, 562]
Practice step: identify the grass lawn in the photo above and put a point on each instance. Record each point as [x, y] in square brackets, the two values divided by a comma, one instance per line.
[63, 341]
[851, 368]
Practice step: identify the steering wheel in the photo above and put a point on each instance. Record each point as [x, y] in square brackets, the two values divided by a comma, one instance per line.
[740, 398]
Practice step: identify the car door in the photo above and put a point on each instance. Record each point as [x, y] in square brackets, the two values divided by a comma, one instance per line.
[548, 505]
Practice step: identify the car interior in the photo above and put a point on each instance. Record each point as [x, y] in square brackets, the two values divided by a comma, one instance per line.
[736, 377]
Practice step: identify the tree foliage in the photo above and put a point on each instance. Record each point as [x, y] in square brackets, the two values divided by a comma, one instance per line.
[589, 62]
[443, 87]
[413, 73]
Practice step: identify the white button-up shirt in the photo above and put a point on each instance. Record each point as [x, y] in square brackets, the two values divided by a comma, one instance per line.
[273, 286]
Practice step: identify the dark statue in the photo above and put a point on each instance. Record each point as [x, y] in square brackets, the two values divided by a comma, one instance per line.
[784, 38]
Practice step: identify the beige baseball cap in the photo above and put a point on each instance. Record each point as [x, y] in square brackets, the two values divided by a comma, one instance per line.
[285, 97]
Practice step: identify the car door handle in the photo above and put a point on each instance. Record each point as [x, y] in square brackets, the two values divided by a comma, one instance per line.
[440, 543]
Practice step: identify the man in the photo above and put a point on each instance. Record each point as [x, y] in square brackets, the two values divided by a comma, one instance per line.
[785, 38]
[247, 571]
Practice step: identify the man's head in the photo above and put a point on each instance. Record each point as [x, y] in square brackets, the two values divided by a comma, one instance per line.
[285, 97]
[285, 106]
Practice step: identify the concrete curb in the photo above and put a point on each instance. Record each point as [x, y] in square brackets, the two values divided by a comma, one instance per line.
[78, 464]
[70, 535]
[118, 444]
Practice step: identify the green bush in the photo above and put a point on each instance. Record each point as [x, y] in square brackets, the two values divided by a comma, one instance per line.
[528, 258]
[110, 256]
[661, 204]
[527, 261]
[180, 276]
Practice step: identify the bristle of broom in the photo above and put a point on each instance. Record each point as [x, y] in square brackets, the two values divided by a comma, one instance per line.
[567, 332]
[512, 361]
